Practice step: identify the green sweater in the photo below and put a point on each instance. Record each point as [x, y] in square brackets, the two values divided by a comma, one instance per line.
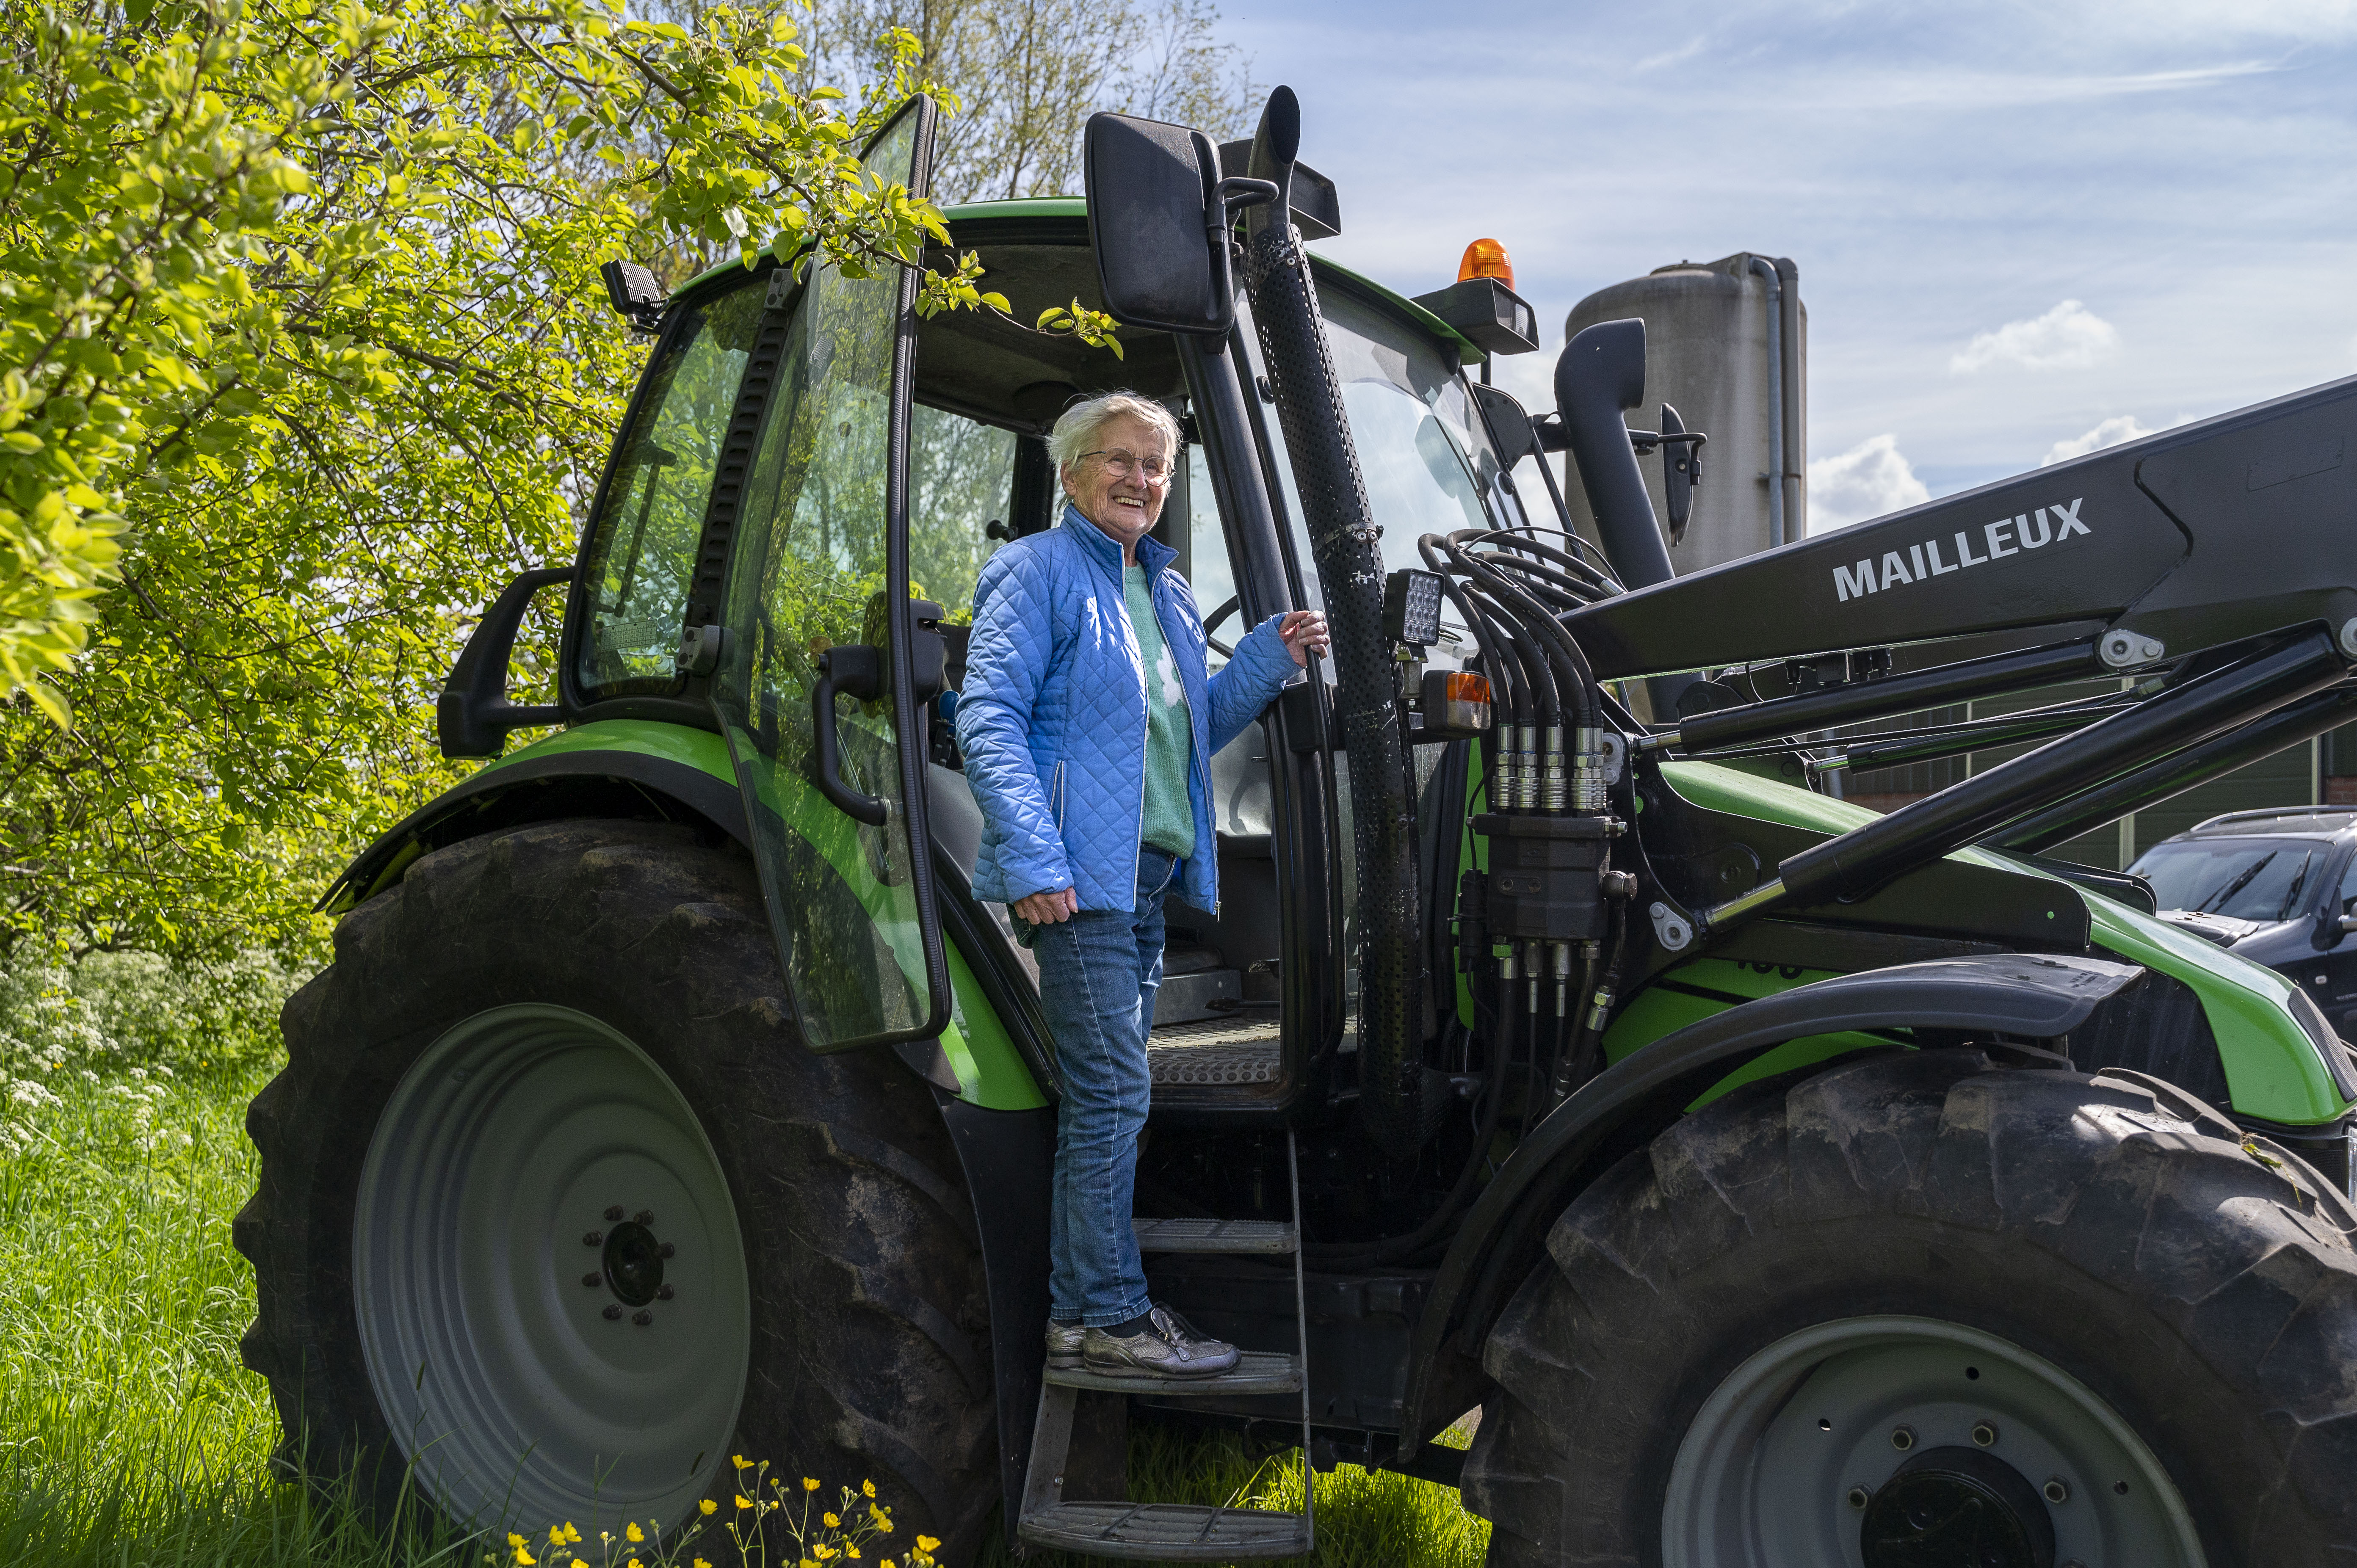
[1168, 823]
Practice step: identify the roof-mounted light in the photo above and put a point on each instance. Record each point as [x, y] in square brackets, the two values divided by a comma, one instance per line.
[1486, 259]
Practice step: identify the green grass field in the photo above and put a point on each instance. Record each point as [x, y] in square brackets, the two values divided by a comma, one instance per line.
[131, 1437]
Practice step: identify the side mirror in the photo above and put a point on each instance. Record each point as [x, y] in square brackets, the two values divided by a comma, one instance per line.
[473, 715]
[1159, 219]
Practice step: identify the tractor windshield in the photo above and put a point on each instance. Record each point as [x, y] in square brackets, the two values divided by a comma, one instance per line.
[1423, 451]
[642, 543]
[2245, 879]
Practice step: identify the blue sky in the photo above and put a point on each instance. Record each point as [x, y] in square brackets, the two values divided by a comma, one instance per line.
[2016, 226]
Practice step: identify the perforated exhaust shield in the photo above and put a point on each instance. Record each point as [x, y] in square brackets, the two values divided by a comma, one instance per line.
[1399, 1100]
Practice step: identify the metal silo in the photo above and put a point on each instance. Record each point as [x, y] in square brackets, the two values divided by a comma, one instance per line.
[1726, 345]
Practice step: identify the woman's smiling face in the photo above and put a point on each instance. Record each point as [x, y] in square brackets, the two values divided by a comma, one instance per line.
[1126, 506]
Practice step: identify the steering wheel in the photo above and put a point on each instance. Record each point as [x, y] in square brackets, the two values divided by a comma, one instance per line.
[1223, 613]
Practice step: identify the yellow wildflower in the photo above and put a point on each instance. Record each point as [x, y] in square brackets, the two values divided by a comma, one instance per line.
[926, 1543]
[832, 1521]
[514, 1539]
[809, 1485]
[571, 1530]
[851, 1550]
[743, 1502]
[740, 1460]
[634, 1562]
[632, 1533]
[822, 1553]
[867, 1487]
[709, 1506]
[523, 1558]
[556, 1535]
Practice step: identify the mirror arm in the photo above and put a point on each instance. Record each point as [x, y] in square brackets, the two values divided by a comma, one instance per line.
[1235, 194]
[473, 715]
[852, 668]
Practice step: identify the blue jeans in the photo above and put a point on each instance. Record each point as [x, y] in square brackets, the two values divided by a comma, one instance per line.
[1098, 974]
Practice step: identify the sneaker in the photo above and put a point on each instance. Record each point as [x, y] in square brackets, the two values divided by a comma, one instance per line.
[1064, 1346]
[1170, 1347]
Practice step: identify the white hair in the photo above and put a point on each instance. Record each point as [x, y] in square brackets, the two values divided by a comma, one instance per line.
[1077, 427]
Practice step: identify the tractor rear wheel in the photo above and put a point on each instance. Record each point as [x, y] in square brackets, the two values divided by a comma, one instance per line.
[556, 1216]
[1910, 1310]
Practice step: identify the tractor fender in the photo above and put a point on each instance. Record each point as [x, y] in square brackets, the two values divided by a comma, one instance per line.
[2022, 996]
[540, 784]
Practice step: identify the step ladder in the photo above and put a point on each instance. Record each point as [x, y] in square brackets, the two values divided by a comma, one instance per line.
[1179, 1531]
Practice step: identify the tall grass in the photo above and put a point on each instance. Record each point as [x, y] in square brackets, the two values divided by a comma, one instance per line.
[131, 1436]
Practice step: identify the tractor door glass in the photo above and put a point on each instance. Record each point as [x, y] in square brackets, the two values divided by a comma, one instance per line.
[961, 482]
[814, 570]
[643, 547]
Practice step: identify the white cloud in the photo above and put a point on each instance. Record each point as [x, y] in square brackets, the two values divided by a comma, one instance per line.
[2068, 338]
[2110, 433]
[1870, 479]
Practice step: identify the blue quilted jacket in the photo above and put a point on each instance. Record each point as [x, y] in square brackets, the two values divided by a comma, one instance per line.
[1052, 715]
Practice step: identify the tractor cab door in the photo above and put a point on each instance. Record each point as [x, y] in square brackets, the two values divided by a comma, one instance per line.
[824, 664]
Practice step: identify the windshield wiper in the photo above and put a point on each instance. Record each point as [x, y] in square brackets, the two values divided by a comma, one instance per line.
[2211, 904]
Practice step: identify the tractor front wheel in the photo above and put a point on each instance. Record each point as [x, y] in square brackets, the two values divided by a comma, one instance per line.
[1911, 1310]
[557, 1217]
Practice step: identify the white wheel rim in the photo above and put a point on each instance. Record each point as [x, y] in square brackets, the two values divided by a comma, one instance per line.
[1765, 1473]
[520, 1401]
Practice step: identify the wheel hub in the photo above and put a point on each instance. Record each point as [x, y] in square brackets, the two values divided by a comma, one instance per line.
[1956, 1508]
[633, 1262]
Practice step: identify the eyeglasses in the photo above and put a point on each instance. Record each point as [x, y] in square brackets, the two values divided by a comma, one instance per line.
[1120, 464]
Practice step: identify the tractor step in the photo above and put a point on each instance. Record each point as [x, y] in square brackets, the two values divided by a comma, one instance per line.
[1268, 1236]
[1180, 1532]
[1258, 1372]
[1170, 1532]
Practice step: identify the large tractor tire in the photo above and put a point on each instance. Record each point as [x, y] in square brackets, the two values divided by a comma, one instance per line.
[1912, 1312]
[557, 1216]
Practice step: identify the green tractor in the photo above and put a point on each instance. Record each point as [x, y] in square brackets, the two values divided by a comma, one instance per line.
[1781, 1183]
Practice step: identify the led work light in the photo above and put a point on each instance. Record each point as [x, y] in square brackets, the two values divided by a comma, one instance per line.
[1412, 607]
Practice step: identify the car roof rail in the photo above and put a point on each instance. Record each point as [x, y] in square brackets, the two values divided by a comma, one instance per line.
[2271, 813]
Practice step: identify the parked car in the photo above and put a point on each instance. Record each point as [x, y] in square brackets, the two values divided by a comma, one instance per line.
[2279, 887]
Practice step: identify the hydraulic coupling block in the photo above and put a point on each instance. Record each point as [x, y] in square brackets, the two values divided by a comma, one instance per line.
[1545, 878]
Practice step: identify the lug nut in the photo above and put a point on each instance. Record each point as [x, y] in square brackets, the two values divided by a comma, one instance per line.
[593, 1278]
[1902, 1438]
[645, 1217]
[614, 1211]
[1860, 1497]
[664, 1292]
[1985, 1433]
[613, 1313]
[593, 1239]
[643, 1317]
[2057, 1490]
[665, 1250]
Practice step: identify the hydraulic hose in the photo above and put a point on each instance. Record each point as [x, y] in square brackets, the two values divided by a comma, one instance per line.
[1393, 1248]
[1401, 1100]
[1534, 616]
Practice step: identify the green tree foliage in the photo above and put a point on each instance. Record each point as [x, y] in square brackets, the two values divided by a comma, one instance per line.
[1028, 73]
[304, 348]
[303, 353]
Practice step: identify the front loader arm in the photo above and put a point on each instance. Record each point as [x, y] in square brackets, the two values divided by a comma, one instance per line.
[2200, 536]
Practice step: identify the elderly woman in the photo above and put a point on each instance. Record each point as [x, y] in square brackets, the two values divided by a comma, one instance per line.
[1088, 726]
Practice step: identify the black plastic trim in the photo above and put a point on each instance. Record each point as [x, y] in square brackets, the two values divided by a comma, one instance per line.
[1009, 1160]
[690, 788]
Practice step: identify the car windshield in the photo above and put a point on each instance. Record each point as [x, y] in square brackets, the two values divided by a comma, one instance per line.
[2247, 879]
